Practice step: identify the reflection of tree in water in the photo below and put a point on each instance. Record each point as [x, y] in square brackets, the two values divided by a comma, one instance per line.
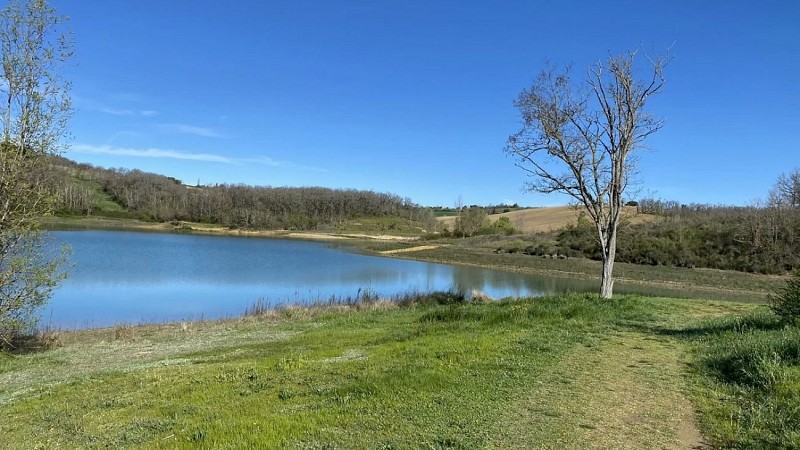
[498, 284]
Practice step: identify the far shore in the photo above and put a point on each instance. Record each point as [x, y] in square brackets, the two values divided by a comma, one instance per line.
[103, 223]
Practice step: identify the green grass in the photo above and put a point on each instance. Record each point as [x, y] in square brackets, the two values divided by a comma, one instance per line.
[747, 380]
[395, 226]
[558, 372]
[698, 283]
[102, 203]
[97, 222]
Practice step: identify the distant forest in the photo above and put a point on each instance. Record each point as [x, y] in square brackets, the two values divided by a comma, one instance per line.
[761, 239]
[84, 189]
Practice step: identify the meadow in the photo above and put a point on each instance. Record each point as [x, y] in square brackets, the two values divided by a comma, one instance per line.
[421, 372]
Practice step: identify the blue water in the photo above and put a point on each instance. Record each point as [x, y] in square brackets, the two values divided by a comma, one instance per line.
[128, 277]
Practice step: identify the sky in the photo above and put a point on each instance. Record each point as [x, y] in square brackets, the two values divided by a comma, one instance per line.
[416, 97]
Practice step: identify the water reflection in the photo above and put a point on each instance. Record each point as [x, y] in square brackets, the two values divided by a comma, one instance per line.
[133, 277]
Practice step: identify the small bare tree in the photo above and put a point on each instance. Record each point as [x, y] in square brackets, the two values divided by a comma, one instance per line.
[786, 192]
[579, 139]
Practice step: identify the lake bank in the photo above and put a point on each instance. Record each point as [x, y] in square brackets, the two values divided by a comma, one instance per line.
[673, 281]
[111, 224]
[512, 374]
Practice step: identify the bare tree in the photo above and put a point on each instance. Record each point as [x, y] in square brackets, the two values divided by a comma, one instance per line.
[786, 191]
[580, 138]
[34, 107]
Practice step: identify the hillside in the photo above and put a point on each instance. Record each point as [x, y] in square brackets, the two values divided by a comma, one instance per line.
[539, 220]
[84, 190]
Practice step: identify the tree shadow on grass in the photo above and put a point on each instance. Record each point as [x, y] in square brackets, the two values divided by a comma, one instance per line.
[755, 321]
[752, 349]
[29, 343]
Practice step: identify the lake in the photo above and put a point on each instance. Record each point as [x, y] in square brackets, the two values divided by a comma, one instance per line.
[133, 277]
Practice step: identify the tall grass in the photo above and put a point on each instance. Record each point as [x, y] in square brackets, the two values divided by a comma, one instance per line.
[364, 299]
[577, 307]
[749, 371]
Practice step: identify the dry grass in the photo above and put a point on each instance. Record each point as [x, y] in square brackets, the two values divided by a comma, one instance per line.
[541, 220]
[417, 248]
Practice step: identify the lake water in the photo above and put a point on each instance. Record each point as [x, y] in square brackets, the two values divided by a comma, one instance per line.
[130, 277]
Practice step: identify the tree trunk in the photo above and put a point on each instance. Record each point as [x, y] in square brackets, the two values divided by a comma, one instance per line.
[607, 281]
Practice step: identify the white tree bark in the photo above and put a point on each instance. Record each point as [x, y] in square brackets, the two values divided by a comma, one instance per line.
[578, 139]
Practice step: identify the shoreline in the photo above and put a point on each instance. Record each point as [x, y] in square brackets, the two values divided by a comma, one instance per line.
[411, 248]
[111, 224]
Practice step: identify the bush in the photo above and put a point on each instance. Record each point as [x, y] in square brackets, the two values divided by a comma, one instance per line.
[438, 298]
[786, 302]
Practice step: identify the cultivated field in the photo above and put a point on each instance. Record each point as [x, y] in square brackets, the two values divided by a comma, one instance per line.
[542, 220]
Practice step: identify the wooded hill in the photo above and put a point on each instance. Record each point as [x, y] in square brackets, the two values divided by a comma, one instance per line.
[761, 239]
[84, 189]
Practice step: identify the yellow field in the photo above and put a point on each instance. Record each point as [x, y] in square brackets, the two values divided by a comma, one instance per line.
[537, 220]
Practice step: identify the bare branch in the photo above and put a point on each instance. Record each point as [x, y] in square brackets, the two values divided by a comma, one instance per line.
[580, 143]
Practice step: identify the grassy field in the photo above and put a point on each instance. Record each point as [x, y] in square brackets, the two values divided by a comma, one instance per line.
[395, 226]
[559, 372]
[543, 220]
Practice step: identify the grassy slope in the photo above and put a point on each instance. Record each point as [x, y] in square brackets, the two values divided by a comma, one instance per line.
[677, 281]
[564, 372]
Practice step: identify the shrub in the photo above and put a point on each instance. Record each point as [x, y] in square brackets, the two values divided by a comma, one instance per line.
[786, 302]
[125, 333]
[432, 298]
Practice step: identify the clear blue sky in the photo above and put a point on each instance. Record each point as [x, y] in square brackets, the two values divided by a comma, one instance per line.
[415, 97]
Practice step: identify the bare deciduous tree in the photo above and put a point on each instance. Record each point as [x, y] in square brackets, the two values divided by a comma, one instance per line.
[786, 191]
[580, 138]
[34, 109]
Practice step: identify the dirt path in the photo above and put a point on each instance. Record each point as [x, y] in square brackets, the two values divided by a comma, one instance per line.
[409, 249]
[624, 393]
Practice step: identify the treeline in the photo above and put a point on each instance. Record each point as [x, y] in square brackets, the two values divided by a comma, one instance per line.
[490, 209]
[762, 239]
[155, 197]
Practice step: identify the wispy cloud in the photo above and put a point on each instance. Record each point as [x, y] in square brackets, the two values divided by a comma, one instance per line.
[267, 161]
[116, 112]
[189, 129]
[149, 153]
[121, 135]
[190, 156]
[128, 97]
[98, 106]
